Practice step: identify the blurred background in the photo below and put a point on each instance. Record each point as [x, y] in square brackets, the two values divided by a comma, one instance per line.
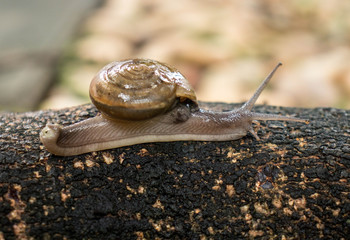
[50, 50]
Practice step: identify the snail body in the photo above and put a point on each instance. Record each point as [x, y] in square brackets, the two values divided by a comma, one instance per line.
[143, 101]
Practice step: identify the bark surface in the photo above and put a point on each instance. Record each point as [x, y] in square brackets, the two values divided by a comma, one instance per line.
[292, 184]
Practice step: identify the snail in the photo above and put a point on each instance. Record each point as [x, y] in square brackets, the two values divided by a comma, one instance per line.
[142, 101]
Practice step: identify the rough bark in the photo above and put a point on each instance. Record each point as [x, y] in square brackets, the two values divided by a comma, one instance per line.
[292, 184]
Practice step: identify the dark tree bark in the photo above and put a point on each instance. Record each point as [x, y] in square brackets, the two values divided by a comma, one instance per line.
[292, 184]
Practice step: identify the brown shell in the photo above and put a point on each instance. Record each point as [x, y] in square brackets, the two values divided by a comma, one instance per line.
[139, 89]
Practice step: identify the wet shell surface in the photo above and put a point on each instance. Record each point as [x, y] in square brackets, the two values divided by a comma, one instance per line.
[138, 89]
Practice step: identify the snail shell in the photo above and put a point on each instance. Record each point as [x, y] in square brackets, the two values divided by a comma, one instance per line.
[139, 89]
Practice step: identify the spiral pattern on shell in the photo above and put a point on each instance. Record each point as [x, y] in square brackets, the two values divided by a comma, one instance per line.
[138, 89]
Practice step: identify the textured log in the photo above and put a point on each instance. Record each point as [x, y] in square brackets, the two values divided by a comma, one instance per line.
[292, 184]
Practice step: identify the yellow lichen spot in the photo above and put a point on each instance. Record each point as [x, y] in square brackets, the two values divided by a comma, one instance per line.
[20, 230]
[138, 216]
[89, 163]
[216, 188]
[256, 233]
[230, 190]
[272, 146]
[108, 158]
[197, 210]
[248, 217]
[79, 164]
[191, 215]
[302, 142]
[277, 202]
[48, 168]
[343, 180]
[143, 152]
[37, 174]
[299, 203]
[139, 235]
[211, 230]
[14, 197]
[244, 209]
[65, 195]
[203, 237]
[232, 153]
[218, 181]
[169, 227]
[315, 195]
[121, 158]
[262, 208]
[290, 202]
[287, 211]
[27, 147]
[283, 177]
[48, 209]
[303, 218]
[131, 189]
[156, 225]
[158, 204]
[320, 226]
[281, 152]
[141, 190]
